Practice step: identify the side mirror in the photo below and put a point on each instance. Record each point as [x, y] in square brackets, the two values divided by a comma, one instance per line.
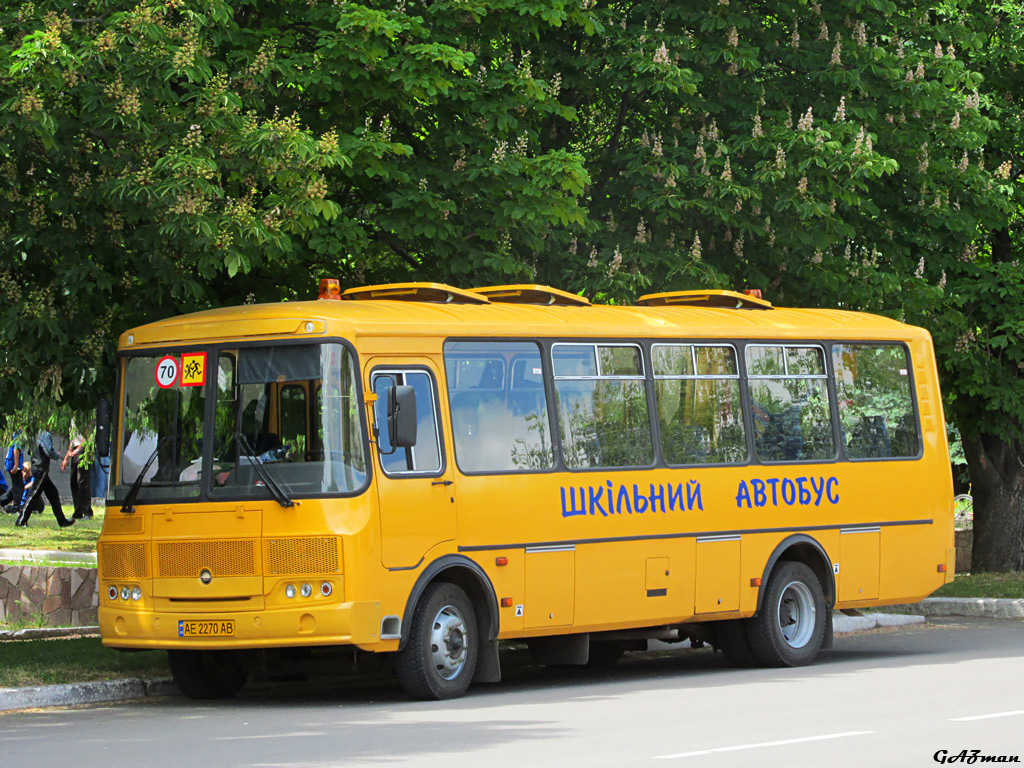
[402, 416]
[103, 427]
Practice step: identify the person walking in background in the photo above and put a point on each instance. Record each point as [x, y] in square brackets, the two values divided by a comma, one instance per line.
[81, 491]
[42, 484]
[32, 501]
[11, 500]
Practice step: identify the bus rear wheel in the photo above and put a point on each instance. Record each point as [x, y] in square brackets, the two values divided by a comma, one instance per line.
[790, 628]
[207, 674]
[439, 657]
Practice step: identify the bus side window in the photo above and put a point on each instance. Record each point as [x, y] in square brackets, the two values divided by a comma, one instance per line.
[789, 402]
[601, 397]
[425, 456]
[498, 406]
[876, 409]
[698, 392]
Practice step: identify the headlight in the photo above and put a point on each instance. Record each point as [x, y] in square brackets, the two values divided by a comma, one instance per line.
[289, 591]
[136, 593]
[307, 590]
[126, 593]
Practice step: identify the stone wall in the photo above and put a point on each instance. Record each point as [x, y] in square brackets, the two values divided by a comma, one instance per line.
[64, 596]
[964, 543]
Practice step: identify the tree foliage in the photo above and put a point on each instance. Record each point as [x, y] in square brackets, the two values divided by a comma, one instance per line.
[159, 157]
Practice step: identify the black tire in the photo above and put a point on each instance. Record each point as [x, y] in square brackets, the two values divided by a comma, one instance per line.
[207, 674]
[732, 640]
[790, 628]
[439, 658]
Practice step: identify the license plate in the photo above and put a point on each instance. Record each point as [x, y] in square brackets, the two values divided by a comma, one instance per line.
[207, 628]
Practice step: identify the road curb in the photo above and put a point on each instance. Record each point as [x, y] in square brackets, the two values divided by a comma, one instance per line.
[83, 693]
[842, 624]
[975, 607]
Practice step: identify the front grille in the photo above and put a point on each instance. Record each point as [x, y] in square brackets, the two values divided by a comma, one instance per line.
[129, 560]
[123, 525]
[301, 556]
[178, 559]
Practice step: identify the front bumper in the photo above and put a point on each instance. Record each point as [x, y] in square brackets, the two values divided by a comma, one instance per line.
[356, 623]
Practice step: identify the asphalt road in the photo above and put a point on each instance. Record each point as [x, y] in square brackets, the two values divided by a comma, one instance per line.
[884, 698]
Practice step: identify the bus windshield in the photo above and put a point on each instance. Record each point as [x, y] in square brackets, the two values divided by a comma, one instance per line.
[291, 408]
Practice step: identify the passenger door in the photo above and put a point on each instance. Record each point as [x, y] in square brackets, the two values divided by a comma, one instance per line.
[414, 485]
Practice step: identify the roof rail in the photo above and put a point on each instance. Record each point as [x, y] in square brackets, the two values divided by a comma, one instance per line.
[723, 299]
[531, 294]
[435, 292]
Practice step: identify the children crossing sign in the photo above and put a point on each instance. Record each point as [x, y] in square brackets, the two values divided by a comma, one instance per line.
[193, 369]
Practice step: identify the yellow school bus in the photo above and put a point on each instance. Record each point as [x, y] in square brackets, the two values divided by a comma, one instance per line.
[423, 471]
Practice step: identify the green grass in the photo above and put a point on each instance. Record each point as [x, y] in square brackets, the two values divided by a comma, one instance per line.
[43, 532]
[985, 585]
[46, 662]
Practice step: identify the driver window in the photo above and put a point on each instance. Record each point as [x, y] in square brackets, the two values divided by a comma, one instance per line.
[424, 458]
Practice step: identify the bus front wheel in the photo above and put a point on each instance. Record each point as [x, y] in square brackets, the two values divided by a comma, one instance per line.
[790, 628]
[439, 657]
[206, 674]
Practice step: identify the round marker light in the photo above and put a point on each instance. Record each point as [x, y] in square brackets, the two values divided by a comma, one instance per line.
[289, 591]
[309, 327]
[125, 593]
[326, 589]
[307, 590]
[136, 593]
[131, 340]
[112, 593]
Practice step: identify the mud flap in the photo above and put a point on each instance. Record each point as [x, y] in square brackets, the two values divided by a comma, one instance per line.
[488, 666]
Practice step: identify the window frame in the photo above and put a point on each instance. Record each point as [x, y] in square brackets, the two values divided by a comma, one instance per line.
[912, 383]
[543, 346]
[823, 346]
[388, 370]
[643, 346]
[213, 351]
[737, 349]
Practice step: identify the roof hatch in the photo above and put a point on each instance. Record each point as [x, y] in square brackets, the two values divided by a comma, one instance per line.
[723, 299]
[531, 294]
[435, 292]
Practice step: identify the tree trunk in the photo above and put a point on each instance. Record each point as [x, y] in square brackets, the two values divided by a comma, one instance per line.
[997, 488]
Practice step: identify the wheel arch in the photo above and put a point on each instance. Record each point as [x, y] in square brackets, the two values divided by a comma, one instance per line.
[463, 572]
[804, 549]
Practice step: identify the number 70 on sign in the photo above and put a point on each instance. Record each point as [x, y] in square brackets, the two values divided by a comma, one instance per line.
[189, 372]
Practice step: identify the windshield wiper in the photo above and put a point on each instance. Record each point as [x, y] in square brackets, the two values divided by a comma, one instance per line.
[275, 490]
[129, 500]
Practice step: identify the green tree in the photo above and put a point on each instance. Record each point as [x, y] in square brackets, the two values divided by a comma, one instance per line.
[856, 154]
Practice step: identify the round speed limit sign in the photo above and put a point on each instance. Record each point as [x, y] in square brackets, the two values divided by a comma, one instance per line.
[166, 372]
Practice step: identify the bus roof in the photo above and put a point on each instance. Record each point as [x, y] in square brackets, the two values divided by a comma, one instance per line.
[355, 319]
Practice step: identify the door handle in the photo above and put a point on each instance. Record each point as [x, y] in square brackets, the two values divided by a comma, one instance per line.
[442, 482]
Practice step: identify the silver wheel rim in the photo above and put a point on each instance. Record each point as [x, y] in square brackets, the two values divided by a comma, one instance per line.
[449, 642]
[796, 614]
